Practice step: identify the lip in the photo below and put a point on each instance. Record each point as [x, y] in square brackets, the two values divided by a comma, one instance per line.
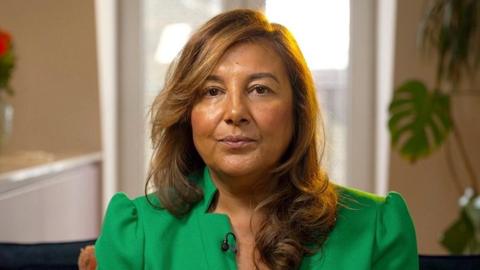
[236, 141]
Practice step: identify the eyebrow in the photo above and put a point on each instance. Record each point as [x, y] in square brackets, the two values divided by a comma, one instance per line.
[214, 78]
[252, 77]
[262, 75]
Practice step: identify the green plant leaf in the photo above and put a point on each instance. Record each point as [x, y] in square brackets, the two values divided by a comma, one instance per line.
[450, 29]
[7, 64]
[459, 235]
[419, 120]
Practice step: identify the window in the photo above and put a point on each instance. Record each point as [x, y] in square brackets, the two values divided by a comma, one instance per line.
[326, 50]
[165, 35]
[338, 40]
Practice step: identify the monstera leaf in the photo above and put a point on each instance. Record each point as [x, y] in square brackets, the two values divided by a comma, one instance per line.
[459, 235]
[419, 120]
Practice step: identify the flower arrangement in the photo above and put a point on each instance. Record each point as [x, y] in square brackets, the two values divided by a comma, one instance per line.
[7, 62]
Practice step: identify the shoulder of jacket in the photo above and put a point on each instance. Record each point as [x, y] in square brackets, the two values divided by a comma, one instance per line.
[355, 198]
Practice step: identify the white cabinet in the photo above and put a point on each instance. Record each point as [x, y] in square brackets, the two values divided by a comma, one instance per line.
[52, 202]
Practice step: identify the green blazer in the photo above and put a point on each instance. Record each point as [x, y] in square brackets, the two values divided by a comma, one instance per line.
[371, 233]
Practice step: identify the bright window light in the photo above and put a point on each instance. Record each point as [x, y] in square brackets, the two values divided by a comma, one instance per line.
[173, 38]
[321, 28]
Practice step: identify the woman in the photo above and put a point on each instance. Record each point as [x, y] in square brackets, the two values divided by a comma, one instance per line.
[237, 172]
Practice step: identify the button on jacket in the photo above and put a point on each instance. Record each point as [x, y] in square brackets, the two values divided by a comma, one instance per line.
[371, 233]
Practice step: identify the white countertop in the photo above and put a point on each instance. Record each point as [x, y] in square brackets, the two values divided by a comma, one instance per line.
[18, 168]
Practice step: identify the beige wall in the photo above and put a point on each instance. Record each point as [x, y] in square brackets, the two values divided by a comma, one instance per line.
[57, 100]
[427, 185]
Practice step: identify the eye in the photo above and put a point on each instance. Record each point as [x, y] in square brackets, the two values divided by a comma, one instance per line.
[261, 89]
[212, 91]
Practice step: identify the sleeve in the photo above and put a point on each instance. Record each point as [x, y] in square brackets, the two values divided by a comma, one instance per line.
[120, 244]
[395, 246]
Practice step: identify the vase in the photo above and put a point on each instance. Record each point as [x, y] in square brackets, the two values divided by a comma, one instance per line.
[6, 120]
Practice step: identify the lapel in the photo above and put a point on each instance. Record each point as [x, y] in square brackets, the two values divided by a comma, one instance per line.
[213, 227]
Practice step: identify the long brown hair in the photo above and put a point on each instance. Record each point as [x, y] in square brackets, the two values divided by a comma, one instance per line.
[302, 210]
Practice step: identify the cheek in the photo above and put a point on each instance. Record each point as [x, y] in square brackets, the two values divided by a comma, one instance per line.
[196, 120]
[200, 130]
[277, 121]
[202, 121]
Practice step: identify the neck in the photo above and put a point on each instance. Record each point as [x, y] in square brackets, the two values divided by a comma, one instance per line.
[239, 195]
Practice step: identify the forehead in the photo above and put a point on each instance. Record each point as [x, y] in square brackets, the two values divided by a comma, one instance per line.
[255, 56]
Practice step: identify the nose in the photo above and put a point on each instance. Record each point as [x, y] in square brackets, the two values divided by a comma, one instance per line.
[236, 109]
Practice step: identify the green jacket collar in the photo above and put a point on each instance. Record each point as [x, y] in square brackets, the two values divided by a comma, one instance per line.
[212, 226]
[204, 181]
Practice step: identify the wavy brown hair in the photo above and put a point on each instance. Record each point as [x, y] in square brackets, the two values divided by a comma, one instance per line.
[302, 210]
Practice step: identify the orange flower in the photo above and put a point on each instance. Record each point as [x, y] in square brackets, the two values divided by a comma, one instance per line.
[87, 260]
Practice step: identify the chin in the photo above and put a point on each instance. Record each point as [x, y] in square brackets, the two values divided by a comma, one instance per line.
[237, 169]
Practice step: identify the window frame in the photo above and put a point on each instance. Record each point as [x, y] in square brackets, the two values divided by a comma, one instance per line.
[123, 111]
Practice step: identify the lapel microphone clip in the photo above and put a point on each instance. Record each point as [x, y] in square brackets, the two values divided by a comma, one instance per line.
[226, 246]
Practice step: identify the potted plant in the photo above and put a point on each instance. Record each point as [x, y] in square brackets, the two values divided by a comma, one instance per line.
[7, 64]
[421, 118]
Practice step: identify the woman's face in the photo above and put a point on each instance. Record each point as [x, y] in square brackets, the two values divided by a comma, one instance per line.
[243, 122]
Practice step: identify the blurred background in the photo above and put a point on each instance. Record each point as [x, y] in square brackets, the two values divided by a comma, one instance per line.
[76, 129]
